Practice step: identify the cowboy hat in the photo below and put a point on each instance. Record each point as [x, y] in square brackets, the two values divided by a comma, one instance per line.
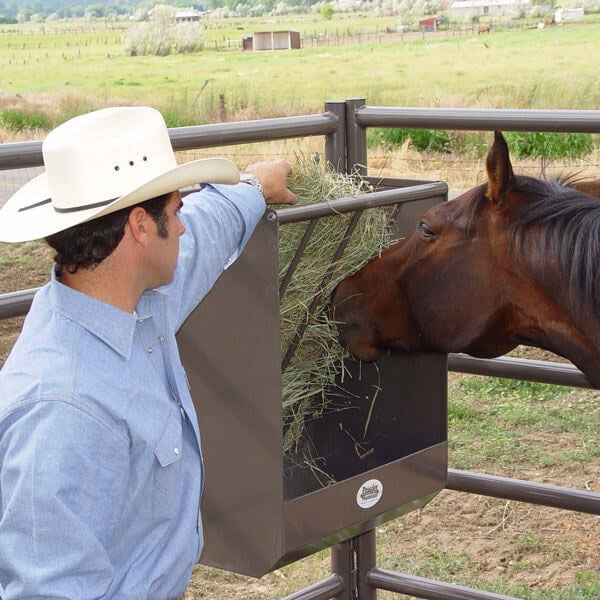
[98, 163]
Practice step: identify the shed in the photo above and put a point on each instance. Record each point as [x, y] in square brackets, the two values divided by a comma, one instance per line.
[247, 42]
[429, 24]
[272, 40]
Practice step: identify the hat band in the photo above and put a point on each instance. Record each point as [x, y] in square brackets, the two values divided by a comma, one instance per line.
[67, 210]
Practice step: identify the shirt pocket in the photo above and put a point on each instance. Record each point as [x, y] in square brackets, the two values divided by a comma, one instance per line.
[167, 469]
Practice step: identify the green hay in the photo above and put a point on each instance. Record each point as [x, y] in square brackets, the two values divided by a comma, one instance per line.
[318, 359]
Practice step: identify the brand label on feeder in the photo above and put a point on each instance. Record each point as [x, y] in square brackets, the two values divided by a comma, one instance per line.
[369, 493]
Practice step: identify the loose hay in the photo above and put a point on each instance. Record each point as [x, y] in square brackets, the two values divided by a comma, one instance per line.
[318, 358]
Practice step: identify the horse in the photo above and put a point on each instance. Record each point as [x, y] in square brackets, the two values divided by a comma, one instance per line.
[512, 261]
[484, 28]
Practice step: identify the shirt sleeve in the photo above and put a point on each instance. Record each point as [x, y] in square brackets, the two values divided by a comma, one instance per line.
[62, 486]
[219, 221]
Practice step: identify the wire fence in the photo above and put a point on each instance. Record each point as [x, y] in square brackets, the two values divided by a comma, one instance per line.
[461, 172]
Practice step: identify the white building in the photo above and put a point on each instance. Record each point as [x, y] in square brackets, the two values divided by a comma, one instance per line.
[466, 9]
[568, 14]
[187, 15]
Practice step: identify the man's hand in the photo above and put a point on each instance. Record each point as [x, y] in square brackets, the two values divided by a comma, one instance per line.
[272, 175]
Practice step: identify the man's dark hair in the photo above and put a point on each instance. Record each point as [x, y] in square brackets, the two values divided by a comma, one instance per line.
[88, 244]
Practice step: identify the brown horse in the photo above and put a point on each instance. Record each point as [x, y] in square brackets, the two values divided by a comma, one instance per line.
[513, 261]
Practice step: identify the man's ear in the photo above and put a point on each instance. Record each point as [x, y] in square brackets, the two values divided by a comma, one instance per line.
[138, 224]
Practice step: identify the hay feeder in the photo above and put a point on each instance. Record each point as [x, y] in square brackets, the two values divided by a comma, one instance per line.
[378, 451]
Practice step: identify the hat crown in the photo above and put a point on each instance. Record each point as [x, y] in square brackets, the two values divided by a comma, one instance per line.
[100, 156]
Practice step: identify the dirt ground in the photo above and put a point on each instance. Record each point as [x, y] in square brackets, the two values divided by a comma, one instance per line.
[536, 546]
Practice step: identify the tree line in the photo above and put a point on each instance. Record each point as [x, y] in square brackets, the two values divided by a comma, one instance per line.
[13, 11]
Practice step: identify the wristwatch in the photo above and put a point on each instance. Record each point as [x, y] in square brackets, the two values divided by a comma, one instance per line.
[251, 180]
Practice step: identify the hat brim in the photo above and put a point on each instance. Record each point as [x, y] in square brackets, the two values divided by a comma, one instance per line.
[30, 215]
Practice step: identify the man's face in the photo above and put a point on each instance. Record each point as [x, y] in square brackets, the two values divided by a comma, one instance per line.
[164, 249]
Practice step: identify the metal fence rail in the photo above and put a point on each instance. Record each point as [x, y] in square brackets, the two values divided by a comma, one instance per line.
[524, 491]
[355, 575]
[359, 117]
[19, 155]
[576, 121]
[541, 371]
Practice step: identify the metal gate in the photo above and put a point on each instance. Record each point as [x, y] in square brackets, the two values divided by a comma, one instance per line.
[355, 575]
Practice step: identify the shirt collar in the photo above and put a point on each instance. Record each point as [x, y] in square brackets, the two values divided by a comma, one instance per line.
[113, 326]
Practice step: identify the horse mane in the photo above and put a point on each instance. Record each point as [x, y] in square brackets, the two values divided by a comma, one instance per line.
[561, 225]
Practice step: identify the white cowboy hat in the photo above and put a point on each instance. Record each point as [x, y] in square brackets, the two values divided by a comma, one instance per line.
[98, 163]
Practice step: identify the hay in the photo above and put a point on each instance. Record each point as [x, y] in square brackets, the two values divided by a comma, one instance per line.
[318, 359]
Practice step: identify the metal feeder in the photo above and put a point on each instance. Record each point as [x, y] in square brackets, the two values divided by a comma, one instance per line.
[262, 510]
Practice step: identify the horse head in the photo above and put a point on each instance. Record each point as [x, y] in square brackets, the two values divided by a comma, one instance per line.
[482, 274]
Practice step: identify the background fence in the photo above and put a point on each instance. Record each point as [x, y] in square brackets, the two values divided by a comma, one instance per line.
[344, 124]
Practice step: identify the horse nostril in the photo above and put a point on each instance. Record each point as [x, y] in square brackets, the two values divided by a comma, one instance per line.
[346, 331]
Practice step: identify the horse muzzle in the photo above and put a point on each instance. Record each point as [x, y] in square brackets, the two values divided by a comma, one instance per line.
[352, 334]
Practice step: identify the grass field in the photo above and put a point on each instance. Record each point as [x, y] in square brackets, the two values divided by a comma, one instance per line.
[516, 429]
[527, 68]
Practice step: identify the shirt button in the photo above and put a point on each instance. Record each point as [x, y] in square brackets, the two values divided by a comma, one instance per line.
[149, 351]
[176, 450]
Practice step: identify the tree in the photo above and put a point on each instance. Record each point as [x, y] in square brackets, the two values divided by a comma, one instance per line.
[24, 15]
[189, 37]
[162, 34]
[95, 11]
[326, 11]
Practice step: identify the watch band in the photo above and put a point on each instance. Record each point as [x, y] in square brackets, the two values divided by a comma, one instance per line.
[251, 180]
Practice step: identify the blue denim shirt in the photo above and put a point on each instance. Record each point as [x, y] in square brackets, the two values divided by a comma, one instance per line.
[100, 464]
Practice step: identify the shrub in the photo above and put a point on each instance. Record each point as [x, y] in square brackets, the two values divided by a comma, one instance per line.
[521, 144]
[148, 39]
[17, 120]
[326, 11]
[549, 145]
[160, 35]
[189, 37]
[432, 140]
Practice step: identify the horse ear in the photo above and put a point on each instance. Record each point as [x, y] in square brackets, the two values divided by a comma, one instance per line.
[499, 170]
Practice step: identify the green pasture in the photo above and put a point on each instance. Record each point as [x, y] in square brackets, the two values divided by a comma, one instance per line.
[553, 68]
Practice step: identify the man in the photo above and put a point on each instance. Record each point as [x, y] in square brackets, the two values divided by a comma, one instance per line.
[100, 462]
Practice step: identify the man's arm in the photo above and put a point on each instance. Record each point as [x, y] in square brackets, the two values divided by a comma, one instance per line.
[219, 221]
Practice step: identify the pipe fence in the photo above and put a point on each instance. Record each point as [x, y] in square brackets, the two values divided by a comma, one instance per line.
[355, 575]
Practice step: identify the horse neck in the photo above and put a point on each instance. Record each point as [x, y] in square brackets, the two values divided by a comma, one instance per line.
[557, 237]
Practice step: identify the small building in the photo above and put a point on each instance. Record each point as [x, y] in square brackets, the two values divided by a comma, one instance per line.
[429, 24]
[467, 9]
[568, 14]
[272, 40]
[188, 15]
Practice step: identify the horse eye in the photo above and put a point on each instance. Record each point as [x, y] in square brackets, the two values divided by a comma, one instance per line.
[424, 230]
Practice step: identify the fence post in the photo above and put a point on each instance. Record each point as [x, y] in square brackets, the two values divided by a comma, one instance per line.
[351, 561]
[342, 564]
[366, 559]
[335, 143]
[356, 139]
